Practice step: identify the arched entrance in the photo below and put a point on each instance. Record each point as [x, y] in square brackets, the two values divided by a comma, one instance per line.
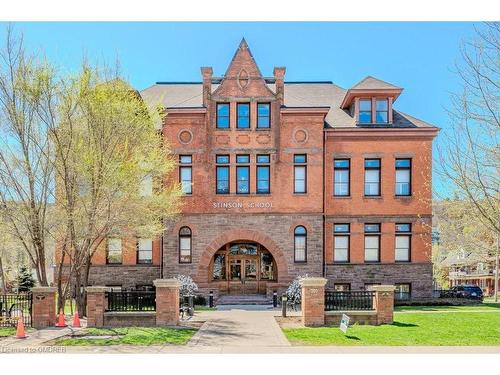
[242, 267]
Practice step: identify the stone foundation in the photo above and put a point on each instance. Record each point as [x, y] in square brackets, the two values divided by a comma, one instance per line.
[419, 275]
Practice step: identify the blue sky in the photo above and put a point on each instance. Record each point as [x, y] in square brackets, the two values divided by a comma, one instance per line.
[416, 56]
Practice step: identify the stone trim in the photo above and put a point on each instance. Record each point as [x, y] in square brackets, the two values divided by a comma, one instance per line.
[43, 289]
[313, 282]
[96, 289]
[382, 288]
[166, 283]
[351, 312]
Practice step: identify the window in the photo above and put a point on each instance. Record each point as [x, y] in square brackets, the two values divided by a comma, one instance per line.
[222, 115]
[382, 111]
[372, 177]
[403, 242]
[185, 245]
[219, 267]
[372, 242]
[185, 173]
[365, 111]
[114, 253]
[403, 177]
[300, 173]
[300, 244]
[146, 186]
[345, 287]
[222, 174]
[243, 118]
[263, 174]
[402, 292]
[144, 251]
[242, 174]
[341, 177]
[263, 115]
[341, 243]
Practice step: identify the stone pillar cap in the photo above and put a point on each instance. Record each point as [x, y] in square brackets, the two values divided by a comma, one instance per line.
[382, 288]
[313, 281]
[165, 283]
[96, 289]
[43, 289]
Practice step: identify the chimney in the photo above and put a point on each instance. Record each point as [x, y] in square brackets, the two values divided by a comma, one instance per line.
[206, 72]
[279, 76]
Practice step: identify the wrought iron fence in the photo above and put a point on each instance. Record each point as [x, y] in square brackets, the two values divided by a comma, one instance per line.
[136, 300]
[13, 307]
[349, 300]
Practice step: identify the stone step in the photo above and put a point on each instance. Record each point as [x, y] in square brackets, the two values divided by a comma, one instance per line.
[244, 299]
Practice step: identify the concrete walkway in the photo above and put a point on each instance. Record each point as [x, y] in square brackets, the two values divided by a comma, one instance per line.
[239, 328]
[34, 339]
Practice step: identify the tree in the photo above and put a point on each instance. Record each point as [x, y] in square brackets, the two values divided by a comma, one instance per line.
[188, 286]
[26, 157]
[24, 279]
[469, 157]
[110, 166]
[294, 290]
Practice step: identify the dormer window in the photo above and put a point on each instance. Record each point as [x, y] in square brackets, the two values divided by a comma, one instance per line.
[382, 114]
[365, 111]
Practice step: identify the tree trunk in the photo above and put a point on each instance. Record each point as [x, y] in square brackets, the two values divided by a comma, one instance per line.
[497, 261]
[2, 278]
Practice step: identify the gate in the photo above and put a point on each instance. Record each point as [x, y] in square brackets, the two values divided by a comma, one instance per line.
[15, 306]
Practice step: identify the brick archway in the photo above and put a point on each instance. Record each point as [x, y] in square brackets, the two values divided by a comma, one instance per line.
[243, 235]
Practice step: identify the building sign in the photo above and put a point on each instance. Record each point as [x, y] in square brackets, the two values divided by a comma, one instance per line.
[344, 323]
[241, 205]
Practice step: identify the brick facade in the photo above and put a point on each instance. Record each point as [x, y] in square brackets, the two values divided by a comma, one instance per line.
[316, 119]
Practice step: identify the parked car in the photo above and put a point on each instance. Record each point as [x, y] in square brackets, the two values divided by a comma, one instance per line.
[467, 291]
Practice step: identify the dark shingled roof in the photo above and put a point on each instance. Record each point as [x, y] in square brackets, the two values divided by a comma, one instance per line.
[297, 94]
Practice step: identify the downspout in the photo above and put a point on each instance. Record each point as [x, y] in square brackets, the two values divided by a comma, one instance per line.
[324, 197]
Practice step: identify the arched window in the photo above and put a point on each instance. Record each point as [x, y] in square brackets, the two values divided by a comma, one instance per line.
[300, 244]
[185, 245]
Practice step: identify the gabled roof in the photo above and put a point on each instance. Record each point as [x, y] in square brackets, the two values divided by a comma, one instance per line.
[372, 83]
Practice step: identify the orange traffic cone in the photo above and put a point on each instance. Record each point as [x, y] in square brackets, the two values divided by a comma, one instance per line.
[60, 321]
[76, 320]
[20, 334]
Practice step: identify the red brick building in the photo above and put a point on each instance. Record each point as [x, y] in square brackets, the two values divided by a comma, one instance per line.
[284, 179]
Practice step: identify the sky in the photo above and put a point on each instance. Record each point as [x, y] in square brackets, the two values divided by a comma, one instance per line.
[417, 56]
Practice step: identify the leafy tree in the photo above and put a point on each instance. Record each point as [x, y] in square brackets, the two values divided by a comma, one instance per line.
[26, 156]
[294, 290]
[469, 157]
[110, 166]
[24, 280]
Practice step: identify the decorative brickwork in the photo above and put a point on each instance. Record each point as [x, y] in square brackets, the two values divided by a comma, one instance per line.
[313, 301]
[96, 305]
[44, 307]
[167, 302]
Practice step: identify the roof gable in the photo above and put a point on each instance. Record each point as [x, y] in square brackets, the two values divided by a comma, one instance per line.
[243, 76]
[372, 83]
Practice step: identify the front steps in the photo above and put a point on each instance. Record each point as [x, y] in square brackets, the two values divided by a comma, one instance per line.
[244, 299]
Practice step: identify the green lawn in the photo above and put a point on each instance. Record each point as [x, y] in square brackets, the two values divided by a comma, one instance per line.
[7, 331]
[129, 336]
[453, 325]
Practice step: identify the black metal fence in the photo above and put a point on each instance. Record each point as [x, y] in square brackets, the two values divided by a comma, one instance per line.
[137, 300]
[355, 300]
[13, 307]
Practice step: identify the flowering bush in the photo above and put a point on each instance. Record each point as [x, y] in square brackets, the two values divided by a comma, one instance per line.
[188, 286]
[294, 291]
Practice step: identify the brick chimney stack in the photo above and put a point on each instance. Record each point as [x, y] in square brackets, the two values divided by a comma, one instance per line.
[279, 76]
[207, 73]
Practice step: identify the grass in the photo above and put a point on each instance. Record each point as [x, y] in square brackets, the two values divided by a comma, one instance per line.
[491, 307]
[204, 308]
[129, 336]
[7, 331]
[460, 327]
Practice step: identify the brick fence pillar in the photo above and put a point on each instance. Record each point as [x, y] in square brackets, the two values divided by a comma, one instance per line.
[383, 302]
[313, 301]
[96, 305]
[44, 307]
[167, 302]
